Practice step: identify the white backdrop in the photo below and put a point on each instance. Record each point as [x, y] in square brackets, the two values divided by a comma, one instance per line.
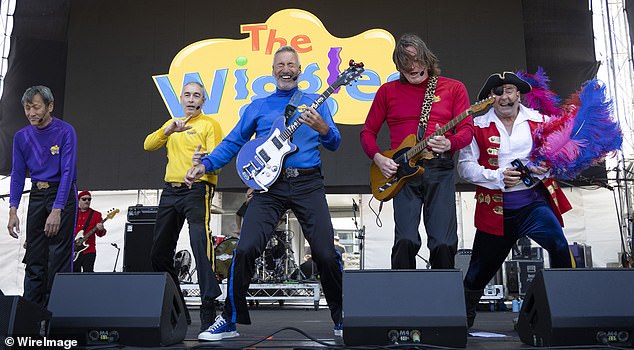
[592, 221]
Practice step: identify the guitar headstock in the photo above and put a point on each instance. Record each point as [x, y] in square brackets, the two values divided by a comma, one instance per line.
[481, 105]
[111, 213]
[349, 75]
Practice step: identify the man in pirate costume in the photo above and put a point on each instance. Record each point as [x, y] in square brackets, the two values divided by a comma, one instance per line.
[511, 203]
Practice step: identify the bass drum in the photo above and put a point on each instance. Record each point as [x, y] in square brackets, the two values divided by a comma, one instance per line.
[224, 255]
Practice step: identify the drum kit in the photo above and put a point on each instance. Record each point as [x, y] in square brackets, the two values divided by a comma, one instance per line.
[275, 265]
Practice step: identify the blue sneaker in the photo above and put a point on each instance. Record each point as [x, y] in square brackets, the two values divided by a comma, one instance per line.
[219, 330]
[339, 330]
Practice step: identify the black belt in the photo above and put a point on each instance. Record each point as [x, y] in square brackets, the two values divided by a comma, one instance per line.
[295, 172]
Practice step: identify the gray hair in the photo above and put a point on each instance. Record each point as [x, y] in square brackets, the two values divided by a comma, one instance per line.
[287, 48]
[197, 83]
[41, 90]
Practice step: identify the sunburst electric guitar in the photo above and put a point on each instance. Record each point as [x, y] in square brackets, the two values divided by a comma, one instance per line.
[259, 162]
[409, 152]
[81, 238]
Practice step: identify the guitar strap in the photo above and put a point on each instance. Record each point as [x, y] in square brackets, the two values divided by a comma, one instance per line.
[426, 109]
[292, 105]
[88, 220]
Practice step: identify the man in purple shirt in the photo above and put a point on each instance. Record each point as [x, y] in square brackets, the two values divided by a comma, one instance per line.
[47, 149]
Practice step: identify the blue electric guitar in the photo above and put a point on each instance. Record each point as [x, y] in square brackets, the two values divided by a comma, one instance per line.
[259, 162]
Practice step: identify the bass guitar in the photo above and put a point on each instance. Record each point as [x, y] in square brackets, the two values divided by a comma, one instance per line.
[81, 238]
[409, 153]
[259, 162]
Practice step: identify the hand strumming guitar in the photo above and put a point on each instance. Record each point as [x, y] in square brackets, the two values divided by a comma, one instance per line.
[387, 165]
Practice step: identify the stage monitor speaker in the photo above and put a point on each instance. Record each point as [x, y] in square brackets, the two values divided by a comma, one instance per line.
[20, 317]
[137, 247]
[571, 307]
[138, 309]
[383, 307]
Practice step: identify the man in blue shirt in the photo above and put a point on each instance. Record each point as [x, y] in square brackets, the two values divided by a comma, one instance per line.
[47, 148]
[300, 187]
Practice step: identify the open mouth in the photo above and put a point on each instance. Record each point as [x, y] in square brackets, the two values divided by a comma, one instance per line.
[286, 76]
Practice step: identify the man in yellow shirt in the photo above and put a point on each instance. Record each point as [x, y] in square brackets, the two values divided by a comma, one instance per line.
[182, 137]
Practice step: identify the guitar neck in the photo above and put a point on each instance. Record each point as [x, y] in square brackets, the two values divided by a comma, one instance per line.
[288, 132]
[419, 147]
[94, 229]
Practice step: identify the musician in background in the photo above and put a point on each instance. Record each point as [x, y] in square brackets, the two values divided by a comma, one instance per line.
[243, 209]
[506, 208]
[341, 249]
[398, 103]
[183, 137]
[87, 219]
[300, 187]
[47, 149]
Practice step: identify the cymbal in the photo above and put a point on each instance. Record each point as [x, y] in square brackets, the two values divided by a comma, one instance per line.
[216, 210]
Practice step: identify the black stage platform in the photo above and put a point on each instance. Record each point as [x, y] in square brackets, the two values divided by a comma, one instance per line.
[269, 318]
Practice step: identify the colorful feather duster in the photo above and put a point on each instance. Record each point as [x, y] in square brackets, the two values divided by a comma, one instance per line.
[579, 134]
[540, 97]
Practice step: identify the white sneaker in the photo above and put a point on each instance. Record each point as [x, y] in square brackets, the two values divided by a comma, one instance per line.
[338, 330]
[219, 330]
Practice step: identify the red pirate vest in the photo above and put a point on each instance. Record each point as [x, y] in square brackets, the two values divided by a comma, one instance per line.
[489, 212]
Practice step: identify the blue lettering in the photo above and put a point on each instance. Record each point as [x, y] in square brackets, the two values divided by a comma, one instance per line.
[372, 80]
[211, 106]
[393, 76]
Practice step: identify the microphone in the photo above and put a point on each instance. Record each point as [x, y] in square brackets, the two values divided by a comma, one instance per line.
[422, 73]
[510, 104]
[295, 78]
[355, 207]
[114, 245]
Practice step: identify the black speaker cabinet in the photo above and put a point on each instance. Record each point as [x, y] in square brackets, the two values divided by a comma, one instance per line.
[140, 309]
[20, 317]
[137, 247]
[569, 307]
[382, 307]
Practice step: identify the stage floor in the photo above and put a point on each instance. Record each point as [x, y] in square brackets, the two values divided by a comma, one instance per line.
[269, 318]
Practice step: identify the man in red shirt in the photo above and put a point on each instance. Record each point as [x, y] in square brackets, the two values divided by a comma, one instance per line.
[87, 219]
[398, 103]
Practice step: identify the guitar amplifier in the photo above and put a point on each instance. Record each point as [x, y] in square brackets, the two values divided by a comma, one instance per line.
[141, 213]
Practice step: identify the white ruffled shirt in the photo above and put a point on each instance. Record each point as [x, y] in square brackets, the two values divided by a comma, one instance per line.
[517, 145]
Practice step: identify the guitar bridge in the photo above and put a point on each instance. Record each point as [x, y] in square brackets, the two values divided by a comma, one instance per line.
[250, 171]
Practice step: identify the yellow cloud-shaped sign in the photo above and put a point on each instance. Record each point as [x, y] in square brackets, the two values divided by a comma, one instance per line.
[234, 72]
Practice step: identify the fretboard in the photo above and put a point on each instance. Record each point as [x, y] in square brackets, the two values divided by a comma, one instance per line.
[419, 147]
[291, 128]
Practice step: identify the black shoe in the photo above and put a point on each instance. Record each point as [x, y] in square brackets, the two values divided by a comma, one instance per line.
[472, 298]
[207, 314]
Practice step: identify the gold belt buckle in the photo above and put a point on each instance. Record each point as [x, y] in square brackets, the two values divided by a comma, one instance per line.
[42, 185]
[176, 184]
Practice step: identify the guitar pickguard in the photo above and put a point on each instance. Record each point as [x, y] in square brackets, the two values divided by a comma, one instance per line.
[259, 162]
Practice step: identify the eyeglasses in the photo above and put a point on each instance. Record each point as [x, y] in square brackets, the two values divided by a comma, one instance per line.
[86, 199]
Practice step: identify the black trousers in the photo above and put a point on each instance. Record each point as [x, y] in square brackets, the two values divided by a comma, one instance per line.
[46, 256]
[306, 196]
[176, 205]
[435, 193]
[85, 262]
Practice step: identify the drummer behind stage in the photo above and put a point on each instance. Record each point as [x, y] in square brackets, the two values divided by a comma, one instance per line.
[182, 138]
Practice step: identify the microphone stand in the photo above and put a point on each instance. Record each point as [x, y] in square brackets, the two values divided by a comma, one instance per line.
[114, 269]
[360, 236]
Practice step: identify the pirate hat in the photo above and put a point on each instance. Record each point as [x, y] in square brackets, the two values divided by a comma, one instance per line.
[499, 79]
